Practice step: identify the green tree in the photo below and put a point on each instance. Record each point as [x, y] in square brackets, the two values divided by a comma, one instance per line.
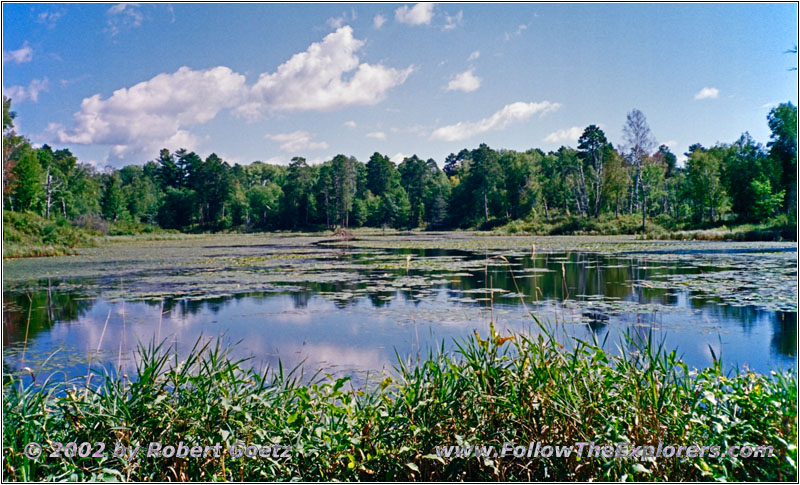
[344, 174]
[593, 146]
[112, 202]
[170, 174]
[704, 185]
[415, 175]
[382, 175]
[666, 157]
[744, 162]
[27, 172]
[298, 193]
[140, 192]
[783, 149]
[480, 188]
[615, 180]
[13, 147]
[264, 208]
[522, 186]
[765, 202]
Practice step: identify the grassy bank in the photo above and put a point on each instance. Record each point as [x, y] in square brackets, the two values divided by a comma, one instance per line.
[28, 234]
[31, 235]
[779, 228]
[489, 391]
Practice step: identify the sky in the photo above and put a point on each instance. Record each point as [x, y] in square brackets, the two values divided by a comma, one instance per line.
[115, 83]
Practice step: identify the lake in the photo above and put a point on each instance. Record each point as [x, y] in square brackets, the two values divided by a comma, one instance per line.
[355, 307]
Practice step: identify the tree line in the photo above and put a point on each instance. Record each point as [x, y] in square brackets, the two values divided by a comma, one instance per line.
[482, 187]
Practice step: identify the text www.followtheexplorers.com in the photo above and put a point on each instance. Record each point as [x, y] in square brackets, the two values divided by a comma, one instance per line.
[537, 449]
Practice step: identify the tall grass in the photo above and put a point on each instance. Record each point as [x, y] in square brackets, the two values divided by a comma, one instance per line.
[489, 390]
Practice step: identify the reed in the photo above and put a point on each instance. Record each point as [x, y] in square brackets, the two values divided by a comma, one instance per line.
[490, 390]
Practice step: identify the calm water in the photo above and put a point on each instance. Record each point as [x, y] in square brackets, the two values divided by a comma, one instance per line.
[358, 322]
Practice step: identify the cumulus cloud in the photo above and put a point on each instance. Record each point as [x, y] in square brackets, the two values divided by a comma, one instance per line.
[297, 141]
[566, 135]
[314, 79]
[20, 56]
[398, 157]
[378, 135]
[154, 113]
[27, 93]
[123, 16]
[465, 81]
[454, 21]
[707, 93]
[378, 21]
[474, 55]
[419, 14]
[350, 124]
[509, 114]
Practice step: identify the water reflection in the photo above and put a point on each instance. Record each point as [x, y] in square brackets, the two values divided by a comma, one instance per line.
[360, 325]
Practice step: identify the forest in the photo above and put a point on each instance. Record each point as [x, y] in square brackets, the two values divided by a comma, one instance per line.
[484, 188]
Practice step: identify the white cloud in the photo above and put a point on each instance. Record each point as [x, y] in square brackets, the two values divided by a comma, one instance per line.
[378, 21]
[336, 22]
[398, 157]
[350, 124]
[473, 56]
[566, 135]
[49, 17]
[123, 16]
[465, 81]
[378, 135]
[454, 21]
[419, 14]
[519, 31]
[707, 93]
[30, 92]
[511, 113]
[313, 80]
[153, 114]
[297, 141]
[22, 55]
[340, 21]
[670, 143]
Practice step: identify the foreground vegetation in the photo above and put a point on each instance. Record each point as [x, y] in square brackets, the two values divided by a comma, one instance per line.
[572, 188]
[490, 391]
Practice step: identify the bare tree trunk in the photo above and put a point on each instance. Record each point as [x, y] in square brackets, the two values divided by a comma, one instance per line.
[598, 170]
[49, 190]
[644, 207]
[485, 204]
[584, 202]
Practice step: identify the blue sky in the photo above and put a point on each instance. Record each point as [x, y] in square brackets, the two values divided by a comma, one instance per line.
[116, 82]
